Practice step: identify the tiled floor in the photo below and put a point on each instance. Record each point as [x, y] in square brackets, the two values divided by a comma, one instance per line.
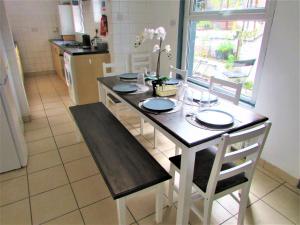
[62, 185]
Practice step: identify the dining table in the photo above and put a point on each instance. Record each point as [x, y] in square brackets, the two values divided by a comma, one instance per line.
[188, 137]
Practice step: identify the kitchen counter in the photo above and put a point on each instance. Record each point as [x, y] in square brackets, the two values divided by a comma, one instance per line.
[75, 50]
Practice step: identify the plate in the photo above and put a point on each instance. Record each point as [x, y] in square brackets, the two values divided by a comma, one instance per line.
[159, 104]
[172, 81]
[125, 88]
[215, 118]
[129, 76]
[205, 97]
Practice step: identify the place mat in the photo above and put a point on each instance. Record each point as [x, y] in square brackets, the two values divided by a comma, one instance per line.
[176, 109]
[141, 89]
[215, 118]
[191, 118]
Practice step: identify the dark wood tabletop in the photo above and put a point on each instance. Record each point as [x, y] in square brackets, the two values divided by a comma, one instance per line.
[177, 125]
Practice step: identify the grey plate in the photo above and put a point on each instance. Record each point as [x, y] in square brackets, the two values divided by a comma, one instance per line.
[129, 76]
[125, 88]
[215, 118]
[159, 104]
[172, 81]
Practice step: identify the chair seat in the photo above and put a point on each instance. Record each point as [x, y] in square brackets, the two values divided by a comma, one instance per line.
[203, 165]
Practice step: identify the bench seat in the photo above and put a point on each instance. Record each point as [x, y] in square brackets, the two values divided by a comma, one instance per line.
[126, 166]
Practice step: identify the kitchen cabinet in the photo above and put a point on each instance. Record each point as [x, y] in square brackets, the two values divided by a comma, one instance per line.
[57, 57]
[85, 69]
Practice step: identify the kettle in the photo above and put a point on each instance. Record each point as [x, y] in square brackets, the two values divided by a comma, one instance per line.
[96, 40]
[86, 41]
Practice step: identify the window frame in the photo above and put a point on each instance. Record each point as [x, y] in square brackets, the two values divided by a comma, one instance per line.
[265, 14]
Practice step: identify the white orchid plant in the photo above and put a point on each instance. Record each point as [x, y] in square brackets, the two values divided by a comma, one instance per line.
[160, 35]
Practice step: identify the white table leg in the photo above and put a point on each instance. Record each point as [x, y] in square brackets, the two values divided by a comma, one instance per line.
[142, 126]
[159, 202]
[102, 93]
[185, 187]
[121, 208]
[177, 150]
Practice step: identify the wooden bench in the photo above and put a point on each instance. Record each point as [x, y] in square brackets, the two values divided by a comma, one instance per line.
[126, 166]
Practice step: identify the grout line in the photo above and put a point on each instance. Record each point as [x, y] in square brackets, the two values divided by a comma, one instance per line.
[263, 171]
[27, 175]
[54, 165]
[37, 194]
[67, 175]
[58, 216]
[10, 203]
[69, 183]
[227, 220]
[278, 212]
[12, 178]
[134, 219]
[52, 150]
[285, 185]
[95, 202]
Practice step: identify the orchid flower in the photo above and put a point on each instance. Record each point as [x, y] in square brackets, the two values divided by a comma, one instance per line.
[148, 33]
[168, 48]
[155, 48]
[160, 33]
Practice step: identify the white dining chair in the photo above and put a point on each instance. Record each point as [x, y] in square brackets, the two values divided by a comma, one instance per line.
[182, 73]
[216, 87]
[173, 74]
[217, 174]
[140, 61]
[110, 69]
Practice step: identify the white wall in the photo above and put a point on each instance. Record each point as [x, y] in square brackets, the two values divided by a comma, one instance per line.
[130, 17]
[278, 96]
[33, 23]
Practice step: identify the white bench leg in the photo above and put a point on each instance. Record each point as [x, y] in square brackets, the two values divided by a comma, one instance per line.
[142, 126]
[177, 149]
[159, 203]
[171, 186]
[155, 139]
[121, 207]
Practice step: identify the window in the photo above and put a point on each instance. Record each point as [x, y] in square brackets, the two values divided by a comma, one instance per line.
[227, 39]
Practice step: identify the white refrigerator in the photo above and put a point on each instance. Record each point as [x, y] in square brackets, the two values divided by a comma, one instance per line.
[13, 149]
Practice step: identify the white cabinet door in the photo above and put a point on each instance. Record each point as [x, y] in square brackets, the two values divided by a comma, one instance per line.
[66, 24]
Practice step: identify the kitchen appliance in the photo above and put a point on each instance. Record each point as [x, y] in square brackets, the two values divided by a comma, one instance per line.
[86, 41]
[66, 25]
[13, 150]
[69, 78]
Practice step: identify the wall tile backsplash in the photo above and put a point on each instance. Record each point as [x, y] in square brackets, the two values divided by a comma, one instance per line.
[33, 23]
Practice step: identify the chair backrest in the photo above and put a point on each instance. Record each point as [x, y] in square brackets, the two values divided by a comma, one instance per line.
[140, 61]
[110, 67]
[235, 87]
[249, 155]
[174, 71]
